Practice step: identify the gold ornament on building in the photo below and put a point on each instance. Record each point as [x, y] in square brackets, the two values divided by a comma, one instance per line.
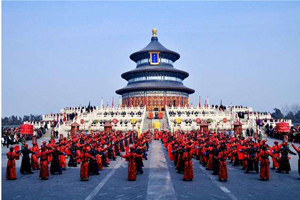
[154, 32]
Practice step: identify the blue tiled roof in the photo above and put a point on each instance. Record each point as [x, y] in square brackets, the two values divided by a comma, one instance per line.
[158, 68]
[155, 85]
[154, 45]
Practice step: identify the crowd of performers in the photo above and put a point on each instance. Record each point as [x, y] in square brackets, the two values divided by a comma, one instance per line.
[92, 152]
[215, 150]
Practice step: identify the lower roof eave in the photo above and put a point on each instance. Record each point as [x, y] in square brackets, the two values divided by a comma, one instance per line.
[125, 90]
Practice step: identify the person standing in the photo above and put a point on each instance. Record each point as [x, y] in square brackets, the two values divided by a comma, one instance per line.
[11, 164]
[188, 164]
[55, 164]
[44, 164]
[275, 152]
[252, 162]
[130, 157]
[84, 167]
[34, 157]
[25, 165]
[284, 163]
[223, 154]
[180, 161]
[263, 156]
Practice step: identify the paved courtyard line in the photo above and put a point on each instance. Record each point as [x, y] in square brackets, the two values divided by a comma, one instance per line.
[160, 185]
[102, 183]
[214, 180]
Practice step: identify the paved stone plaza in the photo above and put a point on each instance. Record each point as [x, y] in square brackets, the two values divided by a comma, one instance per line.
[159, 181]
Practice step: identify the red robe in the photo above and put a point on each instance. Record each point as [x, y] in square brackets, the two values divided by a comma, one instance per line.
[84, 167]
[44, 169]
[131, 165]
[50, 156]
[11, 165]
[34, 158]
[246, 157]
[170, 151]
[99, 162]
[264, 164]
[62, 158]
[78, 156]
[223, 174]
[188, 166]
[209, 165]
[275, 151]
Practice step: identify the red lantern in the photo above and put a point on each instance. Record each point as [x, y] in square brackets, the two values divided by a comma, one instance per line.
[115, 121]
[198, 120]
[82, 121]
[224, 120]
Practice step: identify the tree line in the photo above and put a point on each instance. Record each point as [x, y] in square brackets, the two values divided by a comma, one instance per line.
[288, 112]
[16, 120]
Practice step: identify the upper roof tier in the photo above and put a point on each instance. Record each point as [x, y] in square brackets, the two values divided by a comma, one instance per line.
[154, 46]
[148, 68]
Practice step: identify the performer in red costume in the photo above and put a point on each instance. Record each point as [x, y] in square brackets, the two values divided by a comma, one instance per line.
[84, 167]
[223, 154]
[44, 172]
[131, 165]
[188, 164]
[34, 157]
[62, 158]
[99, 158]
[11, 164]
[275, 151]
[263, 156]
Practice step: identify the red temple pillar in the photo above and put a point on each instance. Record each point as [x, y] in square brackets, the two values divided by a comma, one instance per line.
[145, 100]
[130, 101]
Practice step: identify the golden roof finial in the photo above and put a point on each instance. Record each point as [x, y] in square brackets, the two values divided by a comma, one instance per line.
[154, 32]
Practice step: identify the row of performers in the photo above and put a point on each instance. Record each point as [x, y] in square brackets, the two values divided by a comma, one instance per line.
[214, 149]
[93, 151]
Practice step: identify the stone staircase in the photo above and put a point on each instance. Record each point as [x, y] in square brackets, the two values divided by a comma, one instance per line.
[146, 122]
[164, 122]
[47, 134]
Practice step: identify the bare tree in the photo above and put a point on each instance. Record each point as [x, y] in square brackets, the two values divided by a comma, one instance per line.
[294, 108]
[285, 109]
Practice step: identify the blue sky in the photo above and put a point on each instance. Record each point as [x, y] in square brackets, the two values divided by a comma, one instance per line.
[58, 54]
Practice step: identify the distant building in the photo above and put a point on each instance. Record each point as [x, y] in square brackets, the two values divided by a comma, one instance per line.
[155, 83]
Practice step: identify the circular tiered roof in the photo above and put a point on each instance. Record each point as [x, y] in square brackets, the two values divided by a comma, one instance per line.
[154, 45]
[159, 70]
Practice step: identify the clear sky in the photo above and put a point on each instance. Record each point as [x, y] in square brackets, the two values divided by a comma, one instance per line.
[58, 54]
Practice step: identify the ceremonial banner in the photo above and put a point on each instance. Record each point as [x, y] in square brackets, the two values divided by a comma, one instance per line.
[282, 127]
[26, 129]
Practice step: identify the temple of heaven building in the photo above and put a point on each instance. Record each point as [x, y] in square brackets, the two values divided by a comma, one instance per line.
[154, 82]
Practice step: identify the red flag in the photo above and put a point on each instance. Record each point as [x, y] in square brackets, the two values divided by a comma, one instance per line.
[199, 101]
